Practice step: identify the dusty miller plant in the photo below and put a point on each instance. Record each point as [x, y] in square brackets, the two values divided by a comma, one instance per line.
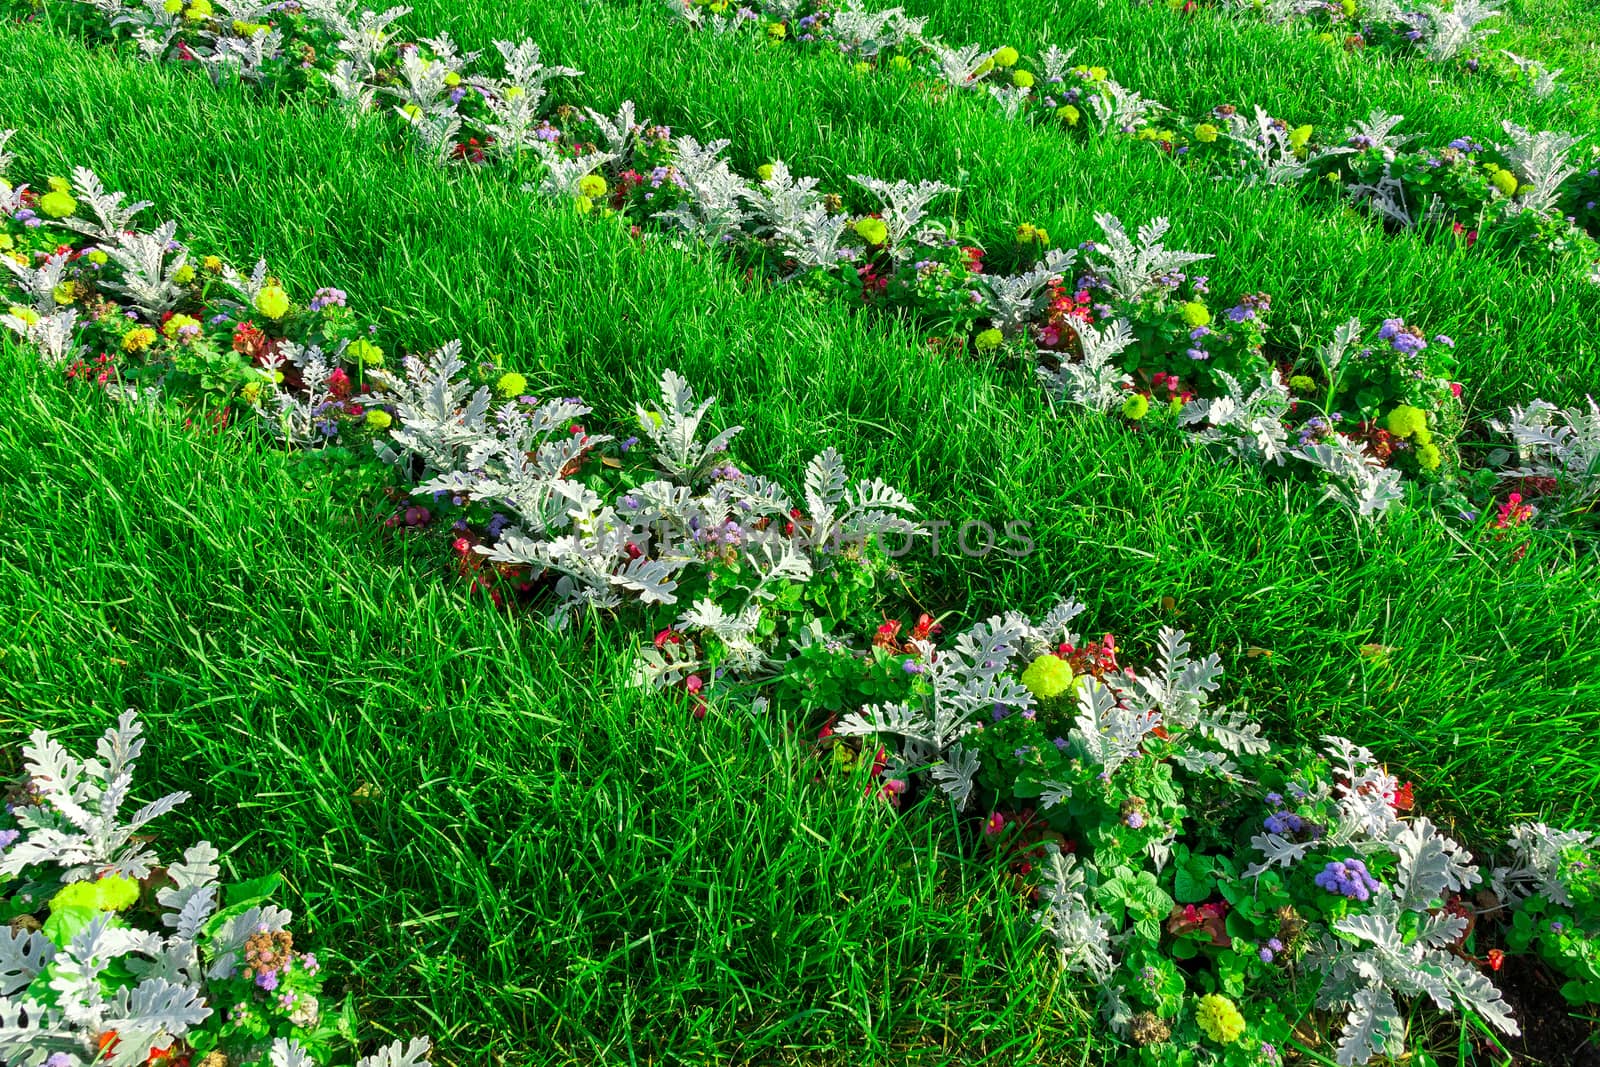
[1128, 265]
[149, 987]
[1559, 443]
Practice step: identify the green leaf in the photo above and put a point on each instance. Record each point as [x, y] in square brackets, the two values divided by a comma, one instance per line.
[64, 923]
[253, 891]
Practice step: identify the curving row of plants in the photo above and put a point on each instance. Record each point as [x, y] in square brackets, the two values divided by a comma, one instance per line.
[1453, 35]
[1115, 325]
[1224, 898]
[1535, 197]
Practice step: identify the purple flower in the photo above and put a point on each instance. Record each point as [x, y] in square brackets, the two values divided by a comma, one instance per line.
[911, 666]
[1275, 799]
[1240, 313]
[1266, 955]
[1274, 944]
[8, 838]
[1347, 878]
[1135, 820]
[1283, 823]
[327, 297]
[267, 980]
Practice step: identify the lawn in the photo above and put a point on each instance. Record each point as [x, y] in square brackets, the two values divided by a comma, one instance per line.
[491, 834]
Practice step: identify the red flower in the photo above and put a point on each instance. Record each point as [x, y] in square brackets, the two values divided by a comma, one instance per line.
[1403, 800]
[1496, 959]
[888, 635]
[663, 637]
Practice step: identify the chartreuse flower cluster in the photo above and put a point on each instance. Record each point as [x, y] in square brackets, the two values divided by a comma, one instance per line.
[1525, 197]
[1105, 786]
[111, 957]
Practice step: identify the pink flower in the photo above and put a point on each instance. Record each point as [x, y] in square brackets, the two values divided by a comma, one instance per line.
[996, 823]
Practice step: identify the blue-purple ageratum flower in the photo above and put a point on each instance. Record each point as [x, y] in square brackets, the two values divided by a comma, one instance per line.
[1347, 878]
[1135, 820]
[1283, 822]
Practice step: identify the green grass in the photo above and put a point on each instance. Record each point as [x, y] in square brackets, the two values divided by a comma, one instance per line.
[559, 868]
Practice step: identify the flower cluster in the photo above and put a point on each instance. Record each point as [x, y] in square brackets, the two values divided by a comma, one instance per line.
[1348, 878]
[112, 956]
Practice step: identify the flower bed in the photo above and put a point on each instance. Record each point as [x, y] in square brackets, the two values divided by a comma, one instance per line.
[1218, 892]
[1530, 197]
[113, 957]
[1117, 326]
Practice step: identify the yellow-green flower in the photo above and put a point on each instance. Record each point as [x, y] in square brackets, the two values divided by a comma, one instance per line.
[513, 92]
[872, 230]
[1422, 437]
[1048, 676]
[1503, 180]
[273, 302]
[198, 9]
[1299, 137]
[175, 324]
[1028, 233]
[1219, 1019]
[777, 31]
[63, 293]
[183, 275]
[1406, 420]
[989, 340]
[651, 420]
[1022, 79]
[98, 258]
[365, 352]
[172, 7]
[592, 185]
[1136, 407]
[511, 384]
[58, 202]
[251, 392]
[247, 29]
[1428, 457]
[1196, 314]
[1206, 133]
[1068, 114]
[138, 339]
[452, 79]
[27, 315]
[379, 419]
[1302, 383]
[114, 892]
[900, 63]
[1007, 57]
[212, 264]
[7, 244]
[764, 172]
[861, 66]
[1349, 7]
